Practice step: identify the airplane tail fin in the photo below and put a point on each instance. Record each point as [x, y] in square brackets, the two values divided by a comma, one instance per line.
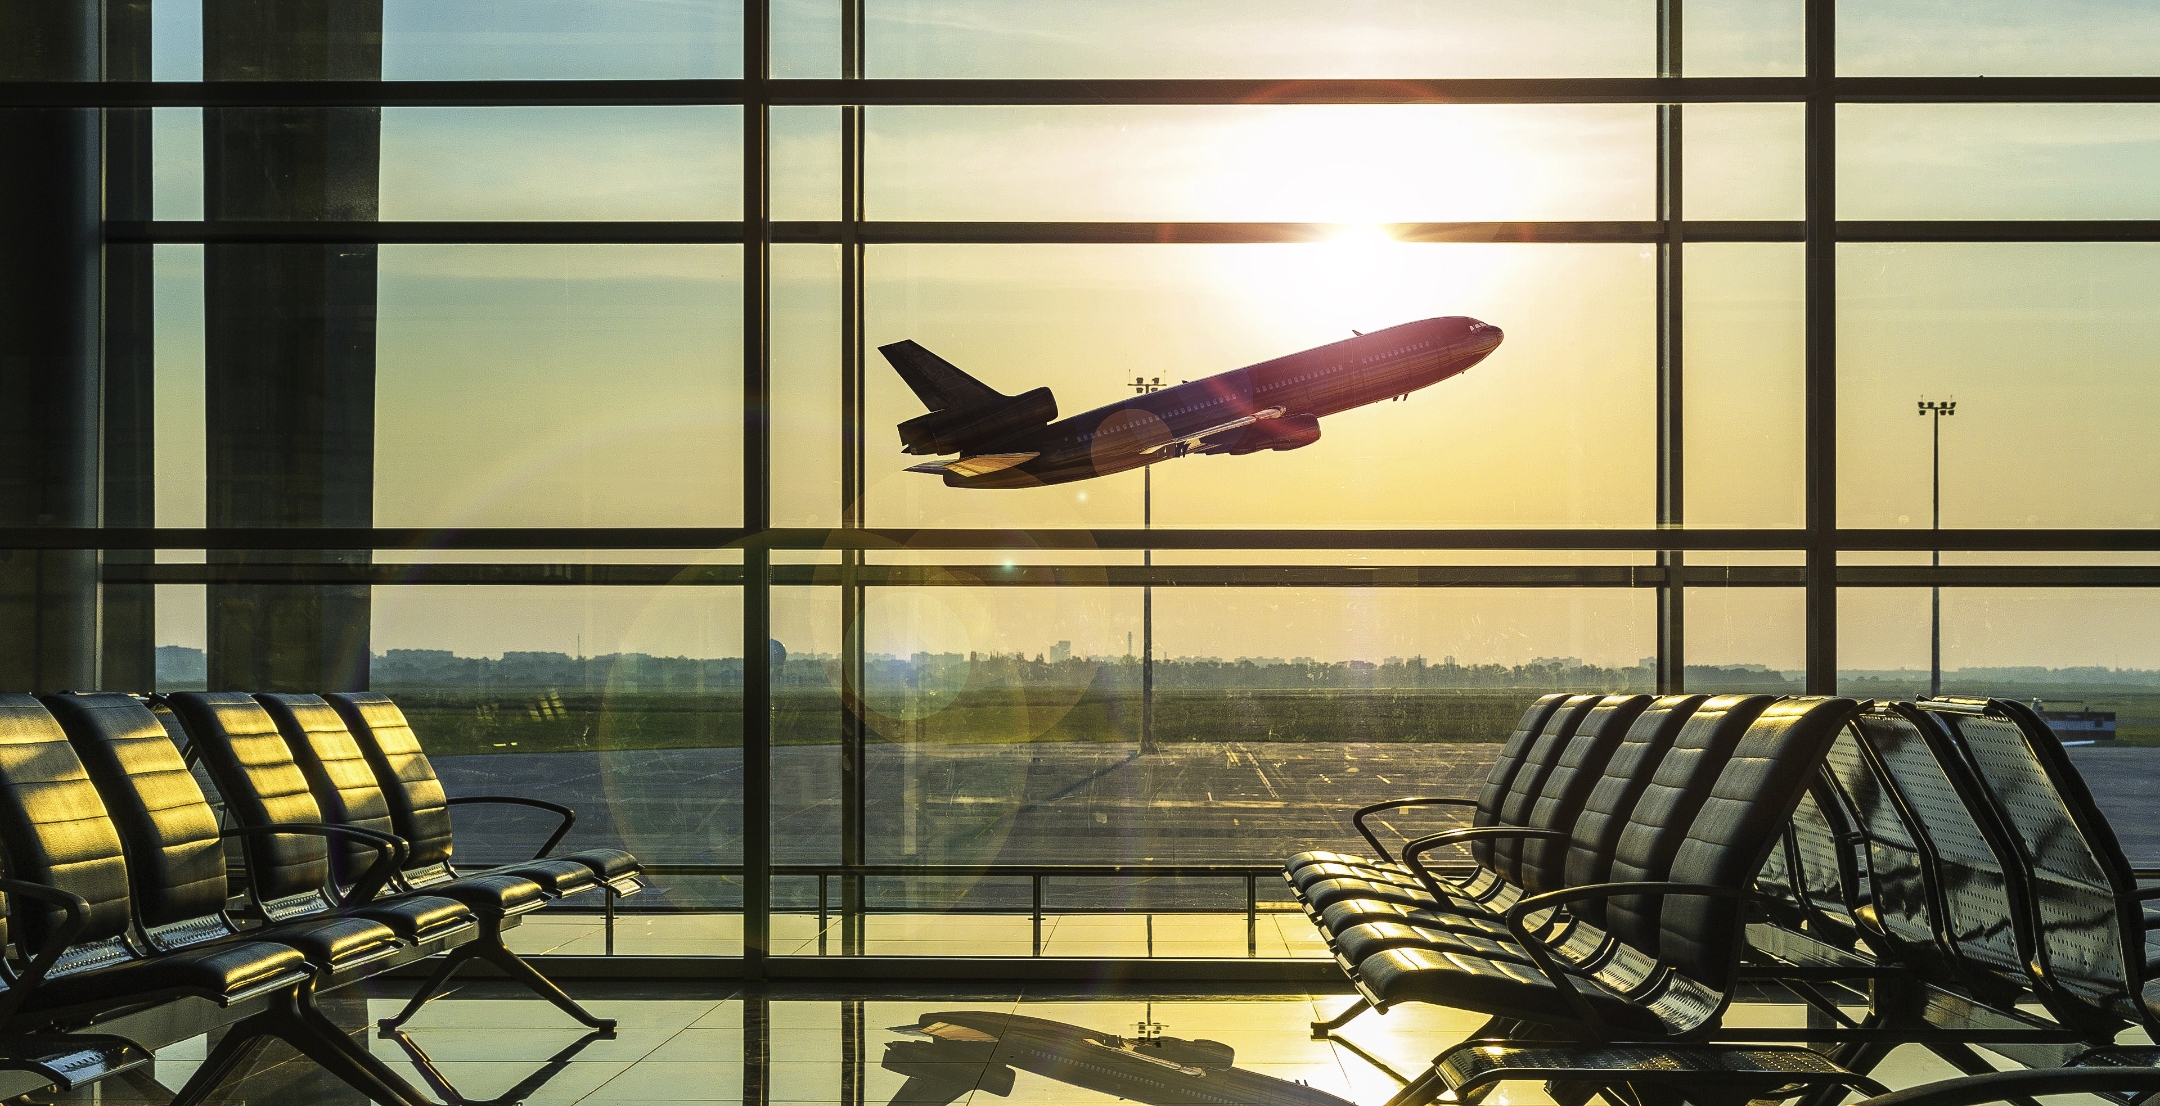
[937, 382]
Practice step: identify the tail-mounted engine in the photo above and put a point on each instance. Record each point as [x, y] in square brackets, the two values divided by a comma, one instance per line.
[967, 428]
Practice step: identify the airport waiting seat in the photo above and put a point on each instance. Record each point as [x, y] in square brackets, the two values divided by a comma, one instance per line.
[1602, 844]
[1317, 884]
[1329, 864]
[1547, 793]
[263, 784]
[1974, 863]
[1370, 917]
[291, 873]
[75, 906]
[2094, 944]
[1663, 965]
[420, 811]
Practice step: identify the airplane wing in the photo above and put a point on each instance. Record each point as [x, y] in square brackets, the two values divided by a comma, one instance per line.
[1233, 424]
[919, 1091]
[976, 465]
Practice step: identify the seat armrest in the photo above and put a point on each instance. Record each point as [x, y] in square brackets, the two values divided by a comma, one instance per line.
[1518, 922]
[389, 853]
[568, 816]
[1357, 817]
[78, 916]
[1415, 850]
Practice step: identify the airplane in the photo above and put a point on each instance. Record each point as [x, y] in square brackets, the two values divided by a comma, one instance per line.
[1017, 441]
[959, 1051]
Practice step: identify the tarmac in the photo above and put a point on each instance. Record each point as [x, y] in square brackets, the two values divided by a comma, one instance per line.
[1243, 803]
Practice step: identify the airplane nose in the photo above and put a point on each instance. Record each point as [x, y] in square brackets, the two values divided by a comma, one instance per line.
[1483, 337]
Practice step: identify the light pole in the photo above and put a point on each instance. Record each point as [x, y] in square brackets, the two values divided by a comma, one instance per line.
[1142, 385]
[1935, 413]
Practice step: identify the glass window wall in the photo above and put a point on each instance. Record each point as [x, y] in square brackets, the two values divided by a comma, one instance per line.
[557, 410]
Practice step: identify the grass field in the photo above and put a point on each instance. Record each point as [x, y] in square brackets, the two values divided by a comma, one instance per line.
[541, 720]
[458, 721]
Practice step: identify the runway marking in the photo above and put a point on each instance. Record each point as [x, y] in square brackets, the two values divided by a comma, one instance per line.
[1261, 772]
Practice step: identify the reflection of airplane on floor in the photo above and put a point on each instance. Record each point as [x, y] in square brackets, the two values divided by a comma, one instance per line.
[967, 1049]
[1016, 441]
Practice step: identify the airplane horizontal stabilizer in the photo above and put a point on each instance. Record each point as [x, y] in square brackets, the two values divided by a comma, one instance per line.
[976, 465]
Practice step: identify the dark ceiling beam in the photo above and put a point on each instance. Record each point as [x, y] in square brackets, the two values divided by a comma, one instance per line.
[1038, 92]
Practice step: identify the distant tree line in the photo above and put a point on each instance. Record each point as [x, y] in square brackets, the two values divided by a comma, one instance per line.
[951, 672]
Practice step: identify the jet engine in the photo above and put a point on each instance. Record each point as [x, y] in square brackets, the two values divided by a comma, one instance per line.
[964, 428]
[1288, 432]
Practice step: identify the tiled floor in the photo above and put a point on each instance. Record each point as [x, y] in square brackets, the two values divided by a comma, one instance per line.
[1276, 934]
[692, 1042]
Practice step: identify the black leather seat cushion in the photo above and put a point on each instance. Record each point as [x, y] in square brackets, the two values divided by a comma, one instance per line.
[606, 863]
[1344, 916]
[417, 917]
[331, 942]
[213, 971]
[1407, 892]
[1494, 987]
[1359, 942]
[557, 876]
[492, 894]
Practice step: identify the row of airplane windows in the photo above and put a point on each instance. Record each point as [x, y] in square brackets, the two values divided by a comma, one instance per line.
[1217, 400]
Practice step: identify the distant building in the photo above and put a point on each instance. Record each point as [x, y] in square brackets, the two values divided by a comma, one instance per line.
[2078, 727]
[1061, 652]
[181, 667]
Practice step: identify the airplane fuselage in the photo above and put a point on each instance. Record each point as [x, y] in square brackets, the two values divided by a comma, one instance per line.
[1292, 390]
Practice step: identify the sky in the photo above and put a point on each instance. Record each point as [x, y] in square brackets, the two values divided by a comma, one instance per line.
[599, 385]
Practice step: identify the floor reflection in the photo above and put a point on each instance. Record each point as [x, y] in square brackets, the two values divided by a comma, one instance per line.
[966, 1050]
[711, 1041]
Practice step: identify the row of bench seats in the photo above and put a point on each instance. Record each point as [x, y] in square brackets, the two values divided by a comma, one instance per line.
[1941, 859]
[130, 936]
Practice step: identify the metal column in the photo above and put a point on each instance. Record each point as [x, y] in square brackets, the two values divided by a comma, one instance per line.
[757, 489]
[50, 287]
[854, 729]
[1821, 170]
[128, 612]
[1671, 340]
[290, 336]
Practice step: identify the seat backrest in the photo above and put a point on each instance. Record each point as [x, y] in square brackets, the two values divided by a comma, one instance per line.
[1896, 903]
[419, 810]
[262, 786]
[1667, 809]
[337, 774]
[1825, 870]
[1577, 769]
[2087, 925]
[1971, 868]
[1736, 825]
[54, 831]
[176, 860]
[1502, 857]
[1527, 730]
[1596, 832]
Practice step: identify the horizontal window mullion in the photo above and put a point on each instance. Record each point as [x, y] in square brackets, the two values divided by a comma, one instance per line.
[889, 538]
[1999, 576]
[1999, 230]
[934, 232]
[1044, 92]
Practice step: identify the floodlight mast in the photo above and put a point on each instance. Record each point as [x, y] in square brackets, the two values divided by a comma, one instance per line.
[1142, 385]
[1939, 411]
